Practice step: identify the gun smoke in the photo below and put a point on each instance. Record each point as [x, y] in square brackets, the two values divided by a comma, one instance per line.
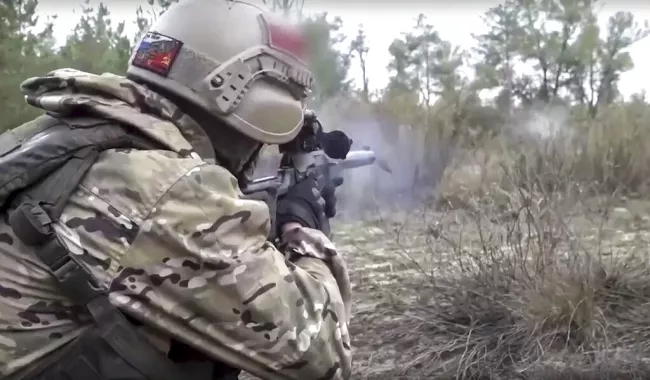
[406, 171]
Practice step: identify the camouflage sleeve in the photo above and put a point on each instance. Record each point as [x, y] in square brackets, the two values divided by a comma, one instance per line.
[206, 275]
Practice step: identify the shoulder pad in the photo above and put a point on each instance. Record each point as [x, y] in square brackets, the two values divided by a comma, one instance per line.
[14, 138]
[28, 160]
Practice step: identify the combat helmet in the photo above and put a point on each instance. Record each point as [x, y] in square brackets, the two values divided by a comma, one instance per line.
[233, 59]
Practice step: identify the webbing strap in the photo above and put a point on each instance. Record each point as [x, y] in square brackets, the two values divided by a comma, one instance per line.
[32, 222]
[116, 330]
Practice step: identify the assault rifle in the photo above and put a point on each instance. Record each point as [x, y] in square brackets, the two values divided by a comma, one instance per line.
[323, 155]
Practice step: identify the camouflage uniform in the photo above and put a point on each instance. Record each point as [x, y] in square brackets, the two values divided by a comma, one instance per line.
[168, 233]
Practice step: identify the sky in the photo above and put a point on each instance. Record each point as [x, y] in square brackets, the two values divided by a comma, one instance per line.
[384, 21]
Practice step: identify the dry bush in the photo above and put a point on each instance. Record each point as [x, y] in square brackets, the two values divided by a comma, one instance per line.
[605, 154]
[615, 150]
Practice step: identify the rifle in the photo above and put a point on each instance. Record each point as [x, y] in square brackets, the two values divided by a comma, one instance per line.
[324, 155]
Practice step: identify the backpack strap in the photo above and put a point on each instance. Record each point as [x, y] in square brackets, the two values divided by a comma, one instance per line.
[71, 150]
[39, 208]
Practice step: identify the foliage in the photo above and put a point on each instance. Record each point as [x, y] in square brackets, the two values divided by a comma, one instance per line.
[359, 50]
[95, 45]
[24, 51]
[329, 66]
[425, 63]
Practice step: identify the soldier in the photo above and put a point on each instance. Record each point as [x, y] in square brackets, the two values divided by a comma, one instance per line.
[127, 250]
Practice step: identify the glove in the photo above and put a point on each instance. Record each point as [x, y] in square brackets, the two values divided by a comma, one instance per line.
[329, 196]
[304, 204]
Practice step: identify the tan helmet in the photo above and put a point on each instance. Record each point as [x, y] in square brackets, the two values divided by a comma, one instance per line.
[233, 59]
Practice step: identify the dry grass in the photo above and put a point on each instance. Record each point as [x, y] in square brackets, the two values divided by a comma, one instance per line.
[606, 155]
[522, 296]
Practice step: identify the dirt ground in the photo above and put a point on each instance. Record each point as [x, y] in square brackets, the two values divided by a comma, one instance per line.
[384, 283]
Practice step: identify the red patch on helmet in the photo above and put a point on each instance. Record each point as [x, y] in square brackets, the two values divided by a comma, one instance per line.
[157, 53]
[287, 38]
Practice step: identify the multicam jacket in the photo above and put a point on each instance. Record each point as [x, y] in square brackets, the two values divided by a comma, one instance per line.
[168, 234]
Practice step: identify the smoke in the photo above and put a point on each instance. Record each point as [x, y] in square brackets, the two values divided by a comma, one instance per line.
[368, 188]
[406, 171]
[547, 127]
[546, 123]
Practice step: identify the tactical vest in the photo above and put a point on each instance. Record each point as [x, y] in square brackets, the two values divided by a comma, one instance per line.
[41, 165]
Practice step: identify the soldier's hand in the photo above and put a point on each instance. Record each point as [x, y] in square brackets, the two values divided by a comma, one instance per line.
[305, 205]
[329, 196]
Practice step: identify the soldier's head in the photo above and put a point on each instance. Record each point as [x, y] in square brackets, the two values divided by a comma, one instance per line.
[234, 67]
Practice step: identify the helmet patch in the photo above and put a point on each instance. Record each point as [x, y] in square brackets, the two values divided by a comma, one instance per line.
[287, 38]
[157, 53]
